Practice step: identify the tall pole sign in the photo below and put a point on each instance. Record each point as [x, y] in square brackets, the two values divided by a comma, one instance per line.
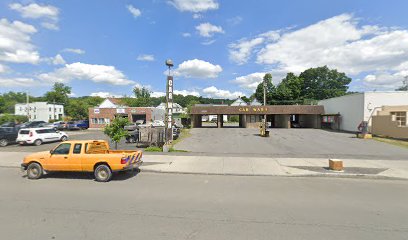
[169, 104]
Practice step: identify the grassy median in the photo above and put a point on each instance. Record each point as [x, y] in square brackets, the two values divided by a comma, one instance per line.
[396, 142]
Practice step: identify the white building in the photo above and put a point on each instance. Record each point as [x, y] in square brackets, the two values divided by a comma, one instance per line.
[355, 108]
[239, 102]
[177, 108]
[255, 103]
[40, 111]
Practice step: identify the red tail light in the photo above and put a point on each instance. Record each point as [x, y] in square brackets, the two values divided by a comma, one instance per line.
[30, 134]
[123, 160]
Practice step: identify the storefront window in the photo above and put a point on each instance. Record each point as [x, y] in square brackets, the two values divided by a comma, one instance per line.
[400, 118]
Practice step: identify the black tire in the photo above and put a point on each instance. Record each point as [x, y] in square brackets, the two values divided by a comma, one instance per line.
[64, 138]
[3, 142]
[103, 173]
[37, 142]
[34, 171]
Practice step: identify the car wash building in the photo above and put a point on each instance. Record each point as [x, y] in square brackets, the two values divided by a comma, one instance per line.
[250, 116]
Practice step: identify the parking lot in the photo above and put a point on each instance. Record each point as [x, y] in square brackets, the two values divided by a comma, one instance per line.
[288, 143]
[73, 135]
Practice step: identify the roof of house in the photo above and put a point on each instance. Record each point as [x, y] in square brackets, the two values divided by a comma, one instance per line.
[239, 102]
[116, 101]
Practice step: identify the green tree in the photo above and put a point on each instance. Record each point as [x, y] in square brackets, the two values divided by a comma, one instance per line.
[322, 83]
[115, 130]
[59, 94]
[289, 90]
[142, 92]
[404, 86]
[270, 90]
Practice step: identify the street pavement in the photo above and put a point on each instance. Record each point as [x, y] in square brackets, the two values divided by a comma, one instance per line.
[172, 206]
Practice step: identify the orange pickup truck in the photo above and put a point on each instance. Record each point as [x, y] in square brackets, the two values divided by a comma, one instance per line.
[82, 156]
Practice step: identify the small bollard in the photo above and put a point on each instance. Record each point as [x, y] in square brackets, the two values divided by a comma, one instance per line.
[336, 165]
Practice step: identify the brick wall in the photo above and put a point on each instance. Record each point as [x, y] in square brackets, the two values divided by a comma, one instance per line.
[104, 116]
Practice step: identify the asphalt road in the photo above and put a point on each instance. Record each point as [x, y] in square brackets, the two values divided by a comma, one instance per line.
[161, 206]
[292, 143]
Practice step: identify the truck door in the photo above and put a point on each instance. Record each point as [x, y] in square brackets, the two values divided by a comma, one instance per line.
[66, 157]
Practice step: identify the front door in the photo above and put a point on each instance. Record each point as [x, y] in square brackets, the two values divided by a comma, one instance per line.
[65, 157]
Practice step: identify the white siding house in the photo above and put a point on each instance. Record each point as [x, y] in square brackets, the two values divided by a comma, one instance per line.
[40, 111]
[239, 102]
[355, 108]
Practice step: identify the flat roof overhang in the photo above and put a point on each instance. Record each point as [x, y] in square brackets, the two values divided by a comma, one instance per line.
[253, 110]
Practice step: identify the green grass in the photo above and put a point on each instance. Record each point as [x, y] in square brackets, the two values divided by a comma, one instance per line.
[396, 142]
[153, 149]
[185, 133]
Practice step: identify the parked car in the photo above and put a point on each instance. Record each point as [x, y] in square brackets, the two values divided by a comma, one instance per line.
[82, 156]
[59, 125]
[37, 136]
[134, 126]
[8, 135]
[77, 125]
[33, 124]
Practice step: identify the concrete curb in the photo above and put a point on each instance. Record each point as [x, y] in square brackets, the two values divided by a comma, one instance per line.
[336, 175]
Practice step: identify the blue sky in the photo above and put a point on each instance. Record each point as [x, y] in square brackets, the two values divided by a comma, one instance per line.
[220, 48]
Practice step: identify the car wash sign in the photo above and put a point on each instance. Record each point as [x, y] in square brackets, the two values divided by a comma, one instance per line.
[169, 109]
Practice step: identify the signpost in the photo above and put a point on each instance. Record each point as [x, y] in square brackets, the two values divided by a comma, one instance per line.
[169, 105]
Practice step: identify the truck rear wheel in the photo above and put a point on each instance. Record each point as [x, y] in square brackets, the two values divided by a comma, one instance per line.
[34, 171]
[103, 173]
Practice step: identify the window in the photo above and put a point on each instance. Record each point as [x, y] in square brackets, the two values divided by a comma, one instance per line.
[101, 120]
[62, 149]
[49, 109]
[77, 148]
[41, 131]
[400, 118]
[50, 117]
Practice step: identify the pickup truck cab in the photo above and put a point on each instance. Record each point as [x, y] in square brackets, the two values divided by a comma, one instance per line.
[82, 156]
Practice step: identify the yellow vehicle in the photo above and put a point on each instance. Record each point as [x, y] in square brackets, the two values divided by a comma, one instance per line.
[82, 156]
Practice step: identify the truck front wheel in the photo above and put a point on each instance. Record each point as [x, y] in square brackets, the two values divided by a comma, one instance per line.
[34, 171]
[103, 173]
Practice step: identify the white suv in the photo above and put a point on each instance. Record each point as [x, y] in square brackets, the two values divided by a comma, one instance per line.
[37, 136]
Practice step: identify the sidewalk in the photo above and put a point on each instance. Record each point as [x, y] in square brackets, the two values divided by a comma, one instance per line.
[255, 166]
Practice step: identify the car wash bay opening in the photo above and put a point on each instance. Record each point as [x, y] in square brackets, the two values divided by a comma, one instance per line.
[278, 116]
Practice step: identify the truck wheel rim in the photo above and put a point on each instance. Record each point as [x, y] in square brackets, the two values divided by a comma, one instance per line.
[34, 172]
[102, 174]
[3, 142]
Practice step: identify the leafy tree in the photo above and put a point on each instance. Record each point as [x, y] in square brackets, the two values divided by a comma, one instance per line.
[142, 92]
[59, 94]
[404, 86]
[322, 83]
[78, 108]
[115, 130]
[13, 118]
[289, 90]
[245, 99]
[9, 99]
[270, 90]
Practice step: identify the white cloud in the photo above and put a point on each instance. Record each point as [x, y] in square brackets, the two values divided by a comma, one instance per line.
[83, 71]
[208, 30]
[197, 16]
[17, 82]
[209, 42]
[241, 51]
[187, 92]
[250, 81]
[195, 6]
[158, 94]
[235, 20]
[58, 60]
[3, 68]
[105, 95]
[186, 34]
[50, 26]
[15, 42]
[37, 11]
[218, 93]
[385, 80]
[197, 69]
[145, 57]
[340, 42]
[74, 50]
[134, 11]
